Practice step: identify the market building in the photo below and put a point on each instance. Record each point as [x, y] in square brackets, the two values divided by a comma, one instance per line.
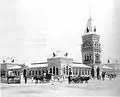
[60, 64]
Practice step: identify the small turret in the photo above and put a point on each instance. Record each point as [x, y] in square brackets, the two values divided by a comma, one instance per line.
[90, 27]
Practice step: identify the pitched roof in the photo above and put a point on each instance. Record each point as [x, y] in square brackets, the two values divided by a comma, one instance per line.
[14, 67]
[37, 65]
[106, 67]
[81, 65]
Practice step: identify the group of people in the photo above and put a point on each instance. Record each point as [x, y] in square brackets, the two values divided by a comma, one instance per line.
[101, 75]
[49, 77]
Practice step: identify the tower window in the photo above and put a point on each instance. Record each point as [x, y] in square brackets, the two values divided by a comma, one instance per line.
[85, 56]
[87, 30]
[90, 57]
[94, 29]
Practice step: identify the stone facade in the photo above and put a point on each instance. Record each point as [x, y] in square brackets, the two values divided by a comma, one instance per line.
[90, 47]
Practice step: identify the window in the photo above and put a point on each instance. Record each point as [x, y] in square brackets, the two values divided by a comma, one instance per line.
[73, 71]
[46, 71]
[2, 73]
[90, 56]
[87, 30]
[56, 71]
[82, 72]
[66, 70]
[79, 72]
[94, 29]
[76, 72]
[70, 71]
[30, 73]
[88, 72]
[39, 72]
[85, 57]
[36, 72]
[33, 72]
[18, 72]
[51, 70]
[43, 72]
[15, 72]
[85, 72]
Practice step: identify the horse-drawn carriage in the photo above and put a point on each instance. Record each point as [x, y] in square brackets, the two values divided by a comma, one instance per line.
[79, 79]
[42, 78]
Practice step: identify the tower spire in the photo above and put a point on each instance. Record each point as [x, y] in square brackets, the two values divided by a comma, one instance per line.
[90, 11]
[90, 27]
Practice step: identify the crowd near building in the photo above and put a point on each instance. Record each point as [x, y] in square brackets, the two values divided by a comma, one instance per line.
[60, 64]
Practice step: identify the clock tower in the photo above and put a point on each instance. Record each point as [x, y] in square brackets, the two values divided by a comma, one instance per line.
[90, 47]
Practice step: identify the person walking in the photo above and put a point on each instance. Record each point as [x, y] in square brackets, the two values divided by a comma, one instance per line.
[92, 72]
[25, 79]
[98, 73]
[103, 76]
[52, 79]
[25, 75]
[69, 80]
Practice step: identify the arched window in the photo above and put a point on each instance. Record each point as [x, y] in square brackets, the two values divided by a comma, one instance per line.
[85, 56]
[18, 72]
[79, 72]
[33, 72]
[2, 73]
[70, 71]
[51, 70]
[15, 72]
[76, 72]
[39, 72]
[88, 72]
[30, 73]
[43, 72]
[90, 57]
[56, 71]
[73, 71]
[85, 71]
[46, 71]
[94, 29]
[87, 30]
[82, 72]
[66, 70]
[36, 72]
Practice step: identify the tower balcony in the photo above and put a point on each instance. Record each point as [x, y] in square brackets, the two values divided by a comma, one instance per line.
[99, 61]
[88, 61]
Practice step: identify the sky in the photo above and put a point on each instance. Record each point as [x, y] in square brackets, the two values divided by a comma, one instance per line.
[31, 30]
